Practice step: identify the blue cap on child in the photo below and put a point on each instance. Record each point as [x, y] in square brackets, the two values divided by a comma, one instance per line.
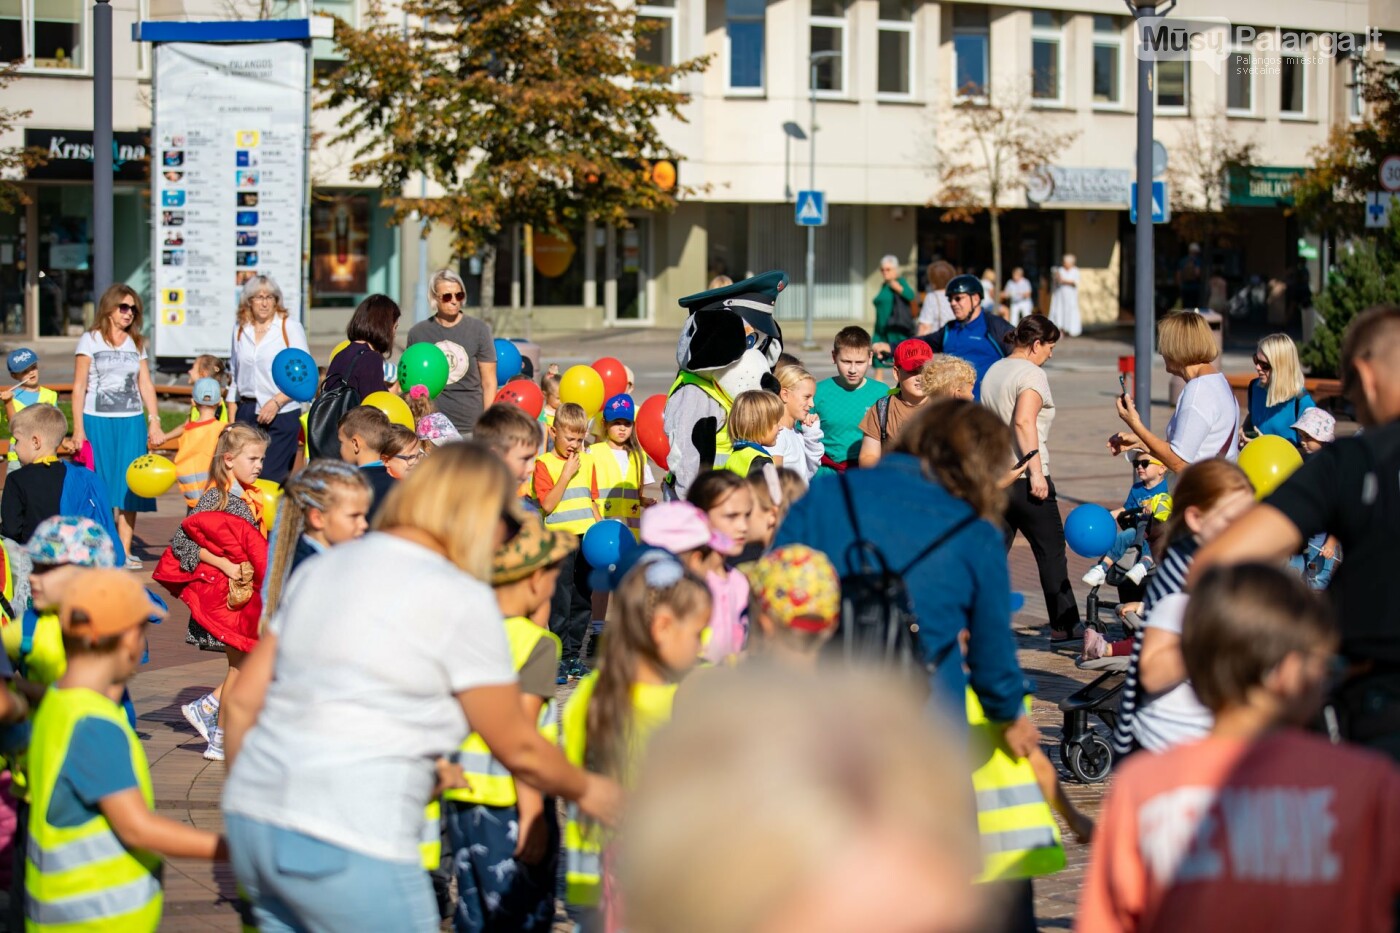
[207, 392]
[21, 359]
[620, 408]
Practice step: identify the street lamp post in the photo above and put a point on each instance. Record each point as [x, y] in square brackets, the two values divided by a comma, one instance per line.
[809, 340]
[1144, 310]
[101, 148]
[791, 131]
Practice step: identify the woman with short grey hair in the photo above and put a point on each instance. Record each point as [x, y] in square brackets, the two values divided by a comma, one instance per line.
[265, 328]
[469, 346]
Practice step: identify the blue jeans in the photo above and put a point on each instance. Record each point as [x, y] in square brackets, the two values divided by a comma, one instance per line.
[1315, 569]
[1121, 542]
[299, 883]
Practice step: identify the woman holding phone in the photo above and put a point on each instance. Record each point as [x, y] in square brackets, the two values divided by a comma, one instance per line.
[1017, 390]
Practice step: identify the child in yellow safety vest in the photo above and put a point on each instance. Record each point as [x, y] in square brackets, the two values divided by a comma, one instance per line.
[24, 368]
[95, 845]
[565, 485]
[622, 468]
[754, 422]
[654, 640]
[504, 836]
[198, 438]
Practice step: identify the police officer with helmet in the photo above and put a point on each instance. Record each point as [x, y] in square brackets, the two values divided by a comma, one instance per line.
[976, 337]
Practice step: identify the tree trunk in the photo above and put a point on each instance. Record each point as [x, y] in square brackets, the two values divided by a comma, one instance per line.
[488, 280]
[995, 218]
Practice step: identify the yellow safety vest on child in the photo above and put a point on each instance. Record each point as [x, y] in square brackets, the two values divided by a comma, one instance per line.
[723, 447]
[619, 494]
[575, 512]
[583, 840]
[194, 457]
[46, 397]
[83, 877]
[1019, 836]
[490, 782]
[741, 460]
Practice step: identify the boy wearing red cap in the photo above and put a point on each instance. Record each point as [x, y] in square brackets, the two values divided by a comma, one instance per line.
[883, 419]
[95, 845]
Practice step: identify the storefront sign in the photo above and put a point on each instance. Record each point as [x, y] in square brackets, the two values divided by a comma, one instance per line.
[68, 154]
[1054, 184]
[1262, 186]
[229, 184]
[340, 244]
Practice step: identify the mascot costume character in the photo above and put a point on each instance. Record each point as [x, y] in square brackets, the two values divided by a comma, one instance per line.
[729, 344]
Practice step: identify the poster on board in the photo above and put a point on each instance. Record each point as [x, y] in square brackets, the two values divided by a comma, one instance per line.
[228, 152]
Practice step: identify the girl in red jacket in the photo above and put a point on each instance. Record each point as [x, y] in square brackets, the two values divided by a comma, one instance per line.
[216, 562]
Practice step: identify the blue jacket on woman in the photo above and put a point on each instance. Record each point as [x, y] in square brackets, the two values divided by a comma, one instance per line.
[964, 584]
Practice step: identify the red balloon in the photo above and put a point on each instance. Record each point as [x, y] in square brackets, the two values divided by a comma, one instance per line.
[524, 394]
[651, 430]
[614, 376]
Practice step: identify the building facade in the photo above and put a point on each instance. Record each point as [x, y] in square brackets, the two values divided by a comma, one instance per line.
[884, 93]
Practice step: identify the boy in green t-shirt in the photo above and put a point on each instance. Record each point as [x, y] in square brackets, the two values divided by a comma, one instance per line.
[842, 401]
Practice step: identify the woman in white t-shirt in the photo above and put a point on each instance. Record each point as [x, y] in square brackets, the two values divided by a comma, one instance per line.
[1017, 390]
[1017, 294]
[799, 447]
[936, 310]
[387, 651]
[112, 389]
[1207, 417]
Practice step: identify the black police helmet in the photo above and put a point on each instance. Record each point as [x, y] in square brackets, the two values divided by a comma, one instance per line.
[964, 285]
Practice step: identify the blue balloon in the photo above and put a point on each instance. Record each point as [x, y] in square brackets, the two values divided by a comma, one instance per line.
[294, 374]
[1090, 530]
[508, 362]
[1018, 602]
[606, 542]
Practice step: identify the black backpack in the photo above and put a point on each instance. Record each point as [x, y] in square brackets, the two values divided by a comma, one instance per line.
[902, 319]
[330, 405]
[878, 623]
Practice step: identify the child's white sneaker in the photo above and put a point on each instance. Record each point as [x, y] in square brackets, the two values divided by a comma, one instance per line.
[1138, 572]
[215, 751]
[1096, 576]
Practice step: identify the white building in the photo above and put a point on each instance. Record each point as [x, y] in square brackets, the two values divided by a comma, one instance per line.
[880, 106]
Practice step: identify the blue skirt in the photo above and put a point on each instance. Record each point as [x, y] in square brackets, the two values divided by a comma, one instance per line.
[115, 443]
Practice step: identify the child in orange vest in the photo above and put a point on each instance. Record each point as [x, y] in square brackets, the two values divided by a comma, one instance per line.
[198, 438]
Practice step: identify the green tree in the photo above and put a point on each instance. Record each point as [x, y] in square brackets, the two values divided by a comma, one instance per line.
[1367, 272]
[520, 111]
[14, 160]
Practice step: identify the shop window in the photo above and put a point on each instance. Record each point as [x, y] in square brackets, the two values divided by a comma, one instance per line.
[896, 48]
[1173, 78]
[827, 33]
[744, 44]
[1047, 56]
[340, 235]
[972, 59]
[656, 41]
[1108, 61]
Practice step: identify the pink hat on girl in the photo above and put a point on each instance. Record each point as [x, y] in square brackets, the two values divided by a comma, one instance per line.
[679, 527]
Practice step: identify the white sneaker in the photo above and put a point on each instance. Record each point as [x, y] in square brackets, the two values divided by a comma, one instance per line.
[134, 563]
[215, 751]
[1138, 573]
[1096, 575]
[203, 717]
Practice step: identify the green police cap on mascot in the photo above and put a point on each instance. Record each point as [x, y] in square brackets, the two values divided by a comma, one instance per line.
[726, 323]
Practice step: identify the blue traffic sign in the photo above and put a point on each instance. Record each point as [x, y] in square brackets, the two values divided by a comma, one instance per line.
[1161, 211]
[810, 210]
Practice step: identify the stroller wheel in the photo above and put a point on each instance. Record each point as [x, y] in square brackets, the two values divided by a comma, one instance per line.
[1090, 758]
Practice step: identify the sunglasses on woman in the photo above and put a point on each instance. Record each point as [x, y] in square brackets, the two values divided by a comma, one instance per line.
[453, 297]
[1262, 363]
[126, 308]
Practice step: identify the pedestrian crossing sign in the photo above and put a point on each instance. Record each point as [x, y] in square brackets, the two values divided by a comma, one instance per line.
[1161, 209]
[811, 209]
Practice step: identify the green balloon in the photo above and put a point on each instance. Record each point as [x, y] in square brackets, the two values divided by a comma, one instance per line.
[423, 364]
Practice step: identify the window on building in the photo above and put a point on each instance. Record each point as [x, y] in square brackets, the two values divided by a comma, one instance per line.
[972, 58]
[1047, 50]
[656, 39]
[1171, 83]
[1293, 86]
[827, 32]
[1356, 106]
[11, 30]
[896, 41]
[56, 33]
[1108, 61]
[1239, 81]
[324, 51]
[743, 44]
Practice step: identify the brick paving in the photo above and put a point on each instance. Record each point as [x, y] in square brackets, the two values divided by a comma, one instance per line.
[1083, 377]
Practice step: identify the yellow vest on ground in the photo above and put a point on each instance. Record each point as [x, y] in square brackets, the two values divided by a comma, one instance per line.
[194, 457]
[575, 512]
[1019, 836]
[82, 878]
[46, 397]
[583, 839]
[491, 784]
[619, 495]
[741, 460]
[723, 447]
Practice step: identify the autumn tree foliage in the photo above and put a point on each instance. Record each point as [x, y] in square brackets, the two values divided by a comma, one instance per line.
[519, 111]
[14, 160]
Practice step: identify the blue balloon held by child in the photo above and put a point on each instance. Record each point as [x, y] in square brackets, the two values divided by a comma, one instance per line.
[606, 542]
[1090, 530]
[294, 373]
[508, 362]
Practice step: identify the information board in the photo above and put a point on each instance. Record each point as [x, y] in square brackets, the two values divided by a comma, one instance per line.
[228, 163]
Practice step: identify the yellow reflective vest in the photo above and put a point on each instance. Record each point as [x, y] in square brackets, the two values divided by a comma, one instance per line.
[82, 878]
[194, 457]
[46, 397]
[491, 784]
[583, 839]
[741, 461]
[619, 495]
[575, 513]
[723, 447]
[1019, 836]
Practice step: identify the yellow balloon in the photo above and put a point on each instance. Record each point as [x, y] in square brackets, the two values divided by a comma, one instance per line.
[336, 349]
[271, 494]
[584, 387]
[394, 407]
[150, 475]
[1268, 461]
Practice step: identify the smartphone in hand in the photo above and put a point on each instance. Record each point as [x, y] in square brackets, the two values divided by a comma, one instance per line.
[1123, 386]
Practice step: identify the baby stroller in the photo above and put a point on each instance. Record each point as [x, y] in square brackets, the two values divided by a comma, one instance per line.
[1086, 751]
